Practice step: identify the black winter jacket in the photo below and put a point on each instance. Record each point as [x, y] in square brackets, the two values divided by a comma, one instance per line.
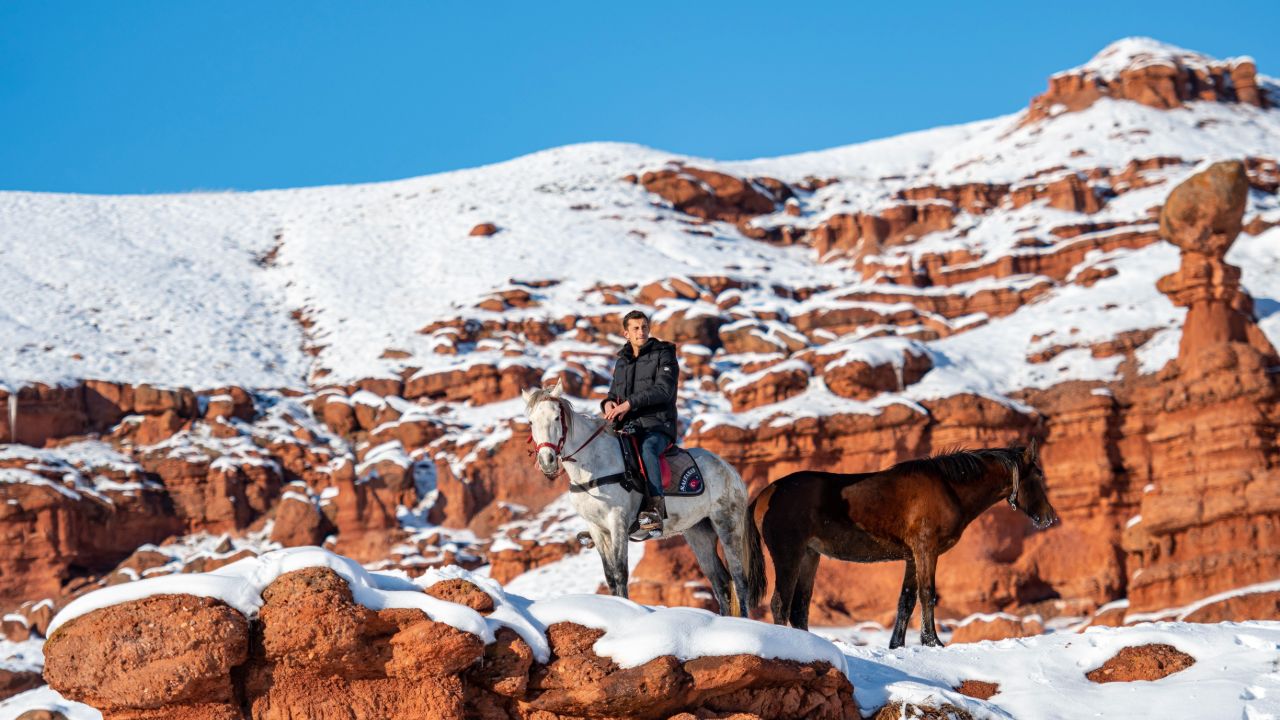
[649, 382]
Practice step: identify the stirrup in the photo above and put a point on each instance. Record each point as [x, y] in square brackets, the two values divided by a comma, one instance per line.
[650, 521]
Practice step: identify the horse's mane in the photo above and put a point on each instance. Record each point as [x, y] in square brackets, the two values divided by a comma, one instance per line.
[959, 466]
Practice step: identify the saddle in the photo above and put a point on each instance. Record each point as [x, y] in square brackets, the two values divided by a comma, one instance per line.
[681, 476]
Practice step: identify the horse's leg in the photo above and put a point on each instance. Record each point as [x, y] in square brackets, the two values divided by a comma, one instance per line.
[806, 572]
[786, 555]
[604, 548]
[729, 530]
[702, 539]
[906, 605]
[611, 545]
[618, 559]
[926, 564]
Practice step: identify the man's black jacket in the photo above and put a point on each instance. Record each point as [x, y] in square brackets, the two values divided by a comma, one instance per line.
[649, 383]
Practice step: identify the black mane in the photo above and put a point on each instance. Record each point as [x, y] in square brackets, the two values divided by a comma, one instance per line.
[961, 466]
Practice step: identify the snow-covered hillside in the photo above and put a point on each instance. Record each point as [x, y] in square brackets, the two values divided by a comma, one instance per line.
[202, 289]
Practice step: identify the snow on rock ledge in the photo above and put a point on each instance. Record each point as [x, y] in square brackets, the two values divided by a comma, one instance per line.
[259, 637]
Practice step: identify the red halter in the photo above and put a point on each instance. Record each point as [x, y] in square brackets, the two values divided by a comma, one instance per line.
[559, 446]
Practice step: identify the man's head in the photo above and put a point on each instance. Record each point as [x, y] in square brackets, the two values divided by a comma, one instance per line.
[635, 328]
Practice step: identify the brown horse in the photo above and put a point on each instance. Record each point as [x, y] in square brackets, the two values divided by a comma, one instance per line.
[914, 511]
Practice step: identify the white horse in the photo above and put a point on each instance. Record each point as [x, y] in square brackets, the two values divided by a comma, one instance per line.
[582, 446]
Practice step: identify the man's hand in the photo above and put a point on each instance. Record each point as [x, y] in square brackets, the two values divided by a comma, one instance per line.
[613, 411]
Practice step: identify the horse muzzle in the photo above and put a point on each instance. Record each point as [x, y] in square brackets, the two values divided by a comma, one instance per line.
[1044, 522]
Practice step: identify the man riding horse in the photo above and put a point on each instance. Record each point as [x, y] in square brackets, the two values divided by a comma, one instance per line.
[643, 396]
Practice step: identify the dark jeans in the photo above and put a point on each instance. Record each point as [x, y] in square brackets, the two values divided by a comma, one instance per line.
[650, 448]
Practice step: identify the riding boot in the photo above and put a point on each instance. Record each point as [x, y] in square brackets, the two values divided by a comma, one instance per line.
[652, 518]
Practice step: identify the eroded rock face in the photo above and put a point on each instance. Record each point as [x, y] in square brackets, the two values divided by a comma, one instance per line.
[1215, 501]
[316, 654]
[862, 378]
[134, 656]
[1254, 606]
[13, 682]
[669, 575]
[663, 687]
[998, 627]
[709, 194]
[1158, 79]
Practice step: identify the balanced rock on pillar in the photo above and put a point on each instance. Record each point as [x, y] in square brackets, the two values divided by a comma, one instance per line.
[1203, 216]
[1211, 517]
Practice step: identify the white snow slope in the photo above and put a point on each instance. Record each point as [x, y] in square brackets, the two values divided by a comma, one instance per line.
[198, 289]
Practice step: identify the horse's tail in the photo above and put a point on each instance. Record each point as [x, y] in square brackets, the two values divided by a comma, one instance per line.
[754, 557]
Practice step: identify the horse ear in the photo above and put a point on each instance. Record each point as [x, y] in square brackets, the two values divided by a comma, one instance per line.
[558, 390]
[525, 394]
[1032, 453]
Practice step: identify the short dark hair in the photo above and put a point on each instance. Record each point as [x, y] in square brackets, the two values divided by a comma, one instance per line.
[634, 315]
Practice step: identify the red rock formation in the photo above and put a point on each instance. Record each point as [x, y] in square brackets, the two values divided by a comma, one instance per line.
[214, 495]
[1069, 192]
[995, 627]
[298, 522]
[978, 689]
[1250, 605]
[315, 653]
[772, 385]
[710, 195]
[665, 686]
[506, 565]
[1142, 662]
[668, 575]
[51, 529]
[13, 682]
[479, 383]
[1056, 261]
[975, 198]
[1157, 80]
[861, 234]
[47, 413]
[689, 325]
[43, 412]
[134, 657]
[473, 476]
[861, 379]
[748, 336]
[1215, 501]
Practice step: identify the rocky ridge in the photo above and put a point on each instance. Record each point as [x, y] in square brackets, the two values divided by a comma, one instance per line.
[315, 651]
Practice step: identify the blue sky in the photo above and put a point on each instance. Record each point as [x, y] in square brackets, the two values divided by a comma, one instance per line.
[141, 96]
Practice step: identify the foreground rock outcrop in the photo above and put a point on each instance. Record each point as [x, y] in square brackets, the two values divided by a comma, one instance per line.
[314, 652]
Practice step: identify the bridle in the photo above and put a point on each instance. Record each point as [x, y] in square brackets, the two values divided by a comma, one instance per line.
[558, 447]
